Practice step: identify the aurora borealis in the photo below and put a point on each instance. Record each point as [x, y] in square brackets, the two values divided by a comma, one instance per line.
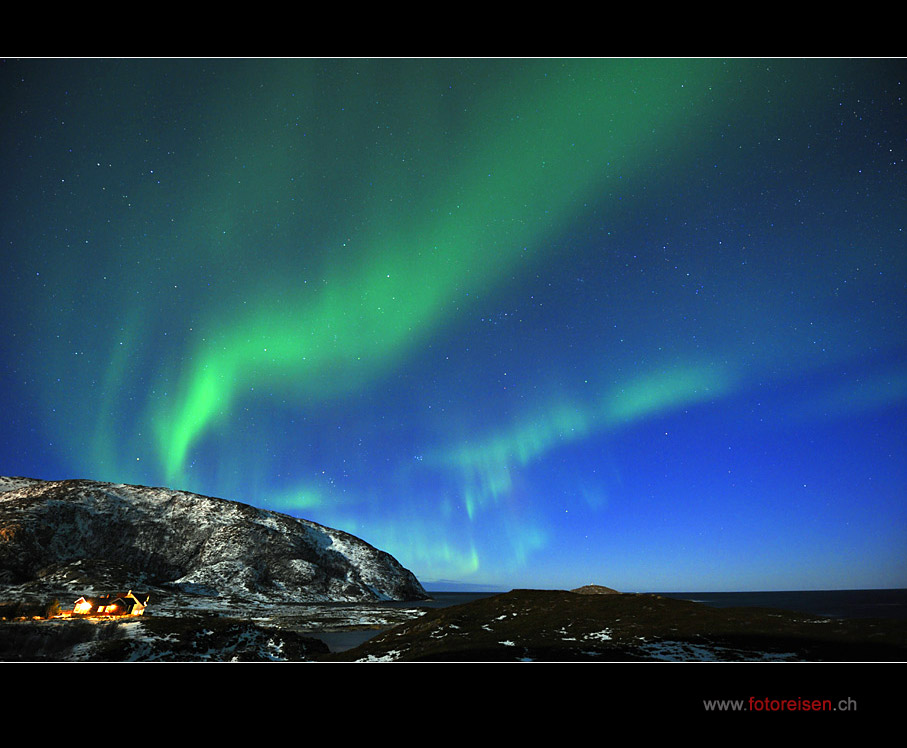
[521, 323]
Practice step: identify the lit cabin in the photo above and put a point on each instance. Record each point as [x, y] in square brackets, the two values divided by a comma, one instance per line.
[127, 604]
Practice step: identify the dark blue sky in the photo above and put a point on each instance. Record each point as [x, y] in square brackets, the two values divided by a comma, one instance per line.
[528, 323]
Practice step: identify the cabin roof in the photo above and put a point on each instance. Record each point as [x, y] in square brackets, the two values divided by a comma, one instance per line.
[128, 598]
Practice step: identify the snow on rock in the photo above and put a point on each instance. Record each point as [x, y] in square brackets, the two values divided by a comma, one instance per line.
[187, 541]
[11, 484]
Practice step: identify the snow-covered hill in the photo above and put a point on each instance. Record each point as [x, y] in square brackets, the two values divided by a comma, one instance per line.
[55, 530]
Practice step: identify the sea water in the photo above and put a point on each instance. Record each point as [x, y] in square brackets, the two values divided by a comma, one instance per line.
[824, 603]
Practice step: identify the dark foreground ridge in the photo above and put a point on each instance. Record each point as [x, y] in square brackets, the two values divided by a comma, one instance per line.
[518, 626]
[194, 637]
[560, 626]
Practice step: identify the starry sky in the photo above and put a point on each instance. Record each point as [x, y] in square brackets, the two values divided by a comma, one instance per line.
[518, 322]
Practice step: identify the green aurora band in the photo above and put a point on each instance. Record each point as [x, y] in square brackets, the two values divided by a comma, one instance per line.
[486, 465]
[502, 200]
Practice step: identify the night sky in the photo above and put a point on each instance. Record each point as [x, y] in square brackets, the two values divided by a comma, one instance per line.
[522, 323]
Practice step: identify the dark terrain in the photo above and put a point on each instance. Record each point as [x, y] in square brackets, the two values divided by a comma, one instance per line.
[522, 625]
[550, 625]
[192, 638]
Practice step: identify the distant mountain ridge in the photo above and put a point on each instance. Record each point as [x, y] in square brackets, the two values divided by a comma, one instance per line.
[54, 530]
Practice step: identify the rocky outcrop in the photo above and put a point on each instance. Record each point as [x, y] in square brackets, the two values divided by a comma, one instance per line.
[594, 589]
[185, 541]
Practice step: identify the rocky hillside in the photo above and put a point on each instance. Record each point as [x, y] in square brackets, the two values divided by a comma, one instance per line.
[55, 531]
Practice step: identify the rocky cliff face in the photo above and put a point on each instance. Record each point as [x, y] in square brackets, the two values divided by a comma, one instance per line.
[161, 537]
